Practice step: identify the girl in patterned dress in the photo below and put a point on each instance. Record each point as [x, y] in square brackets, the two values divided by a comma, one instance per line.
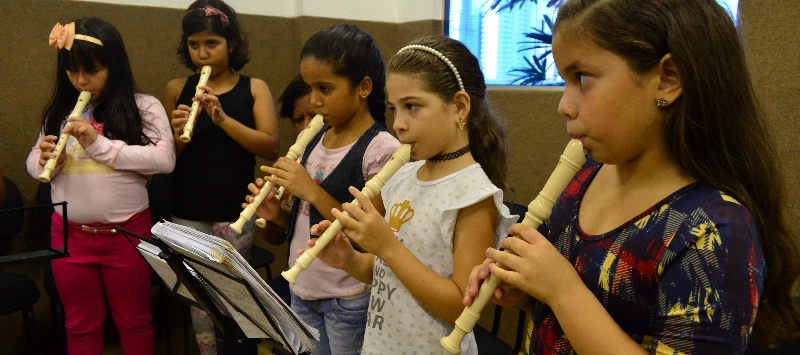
[672, 238]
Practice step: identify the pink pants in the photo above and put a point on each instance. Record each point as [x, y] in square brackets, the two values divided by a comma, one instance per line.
[104, 267]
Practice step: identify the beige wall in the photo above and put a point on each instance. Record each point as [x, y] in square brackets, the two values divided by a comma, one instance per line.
[536, 131]
[151, 34]
[772, 39]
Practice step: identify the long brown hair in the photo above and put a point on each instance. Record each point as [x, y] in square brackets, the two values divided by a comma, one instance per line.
[487, 136]
[716, 129]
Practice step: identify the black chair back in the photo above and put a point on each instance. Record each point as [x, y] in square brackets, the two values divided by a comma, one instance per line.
[11, 222]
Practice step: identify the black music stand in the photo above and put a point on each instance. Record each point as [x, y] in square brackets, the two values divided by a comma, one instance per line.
[46, 254]
[197, 287]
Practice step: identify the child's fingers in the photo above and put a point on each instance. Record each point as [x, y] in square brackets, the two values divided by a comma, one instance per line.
[346, 221]
[474, 281]
[527, 233]
[275, 180]
[253, 189]
[320, 227]
[509, 261]
[273, 170]
[498, 293]
[506, 276]
[355, 212]
[77, 130]
[46, 147]
[207, 89]
[476, 277]
[207, 99]
[286, 160]
[362, 199]
[282, 164]
[519, 247]
[179, 119]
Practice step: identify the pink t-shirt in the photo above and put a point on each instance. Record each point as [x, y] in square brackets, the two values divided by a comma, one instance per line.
[321, 281]
[107, 181]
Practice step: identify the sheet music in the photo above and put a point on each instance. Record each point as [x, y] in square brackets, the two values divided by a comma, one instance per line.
[253, 320]
[215, 297]
[210, 252]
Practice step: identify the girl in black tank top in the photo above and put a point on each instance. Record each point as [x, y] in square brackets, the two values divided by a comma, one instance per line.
[236, 123]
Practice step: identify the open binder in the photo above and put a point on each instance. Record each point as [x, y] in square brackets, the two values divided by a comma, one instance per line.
[207, 272]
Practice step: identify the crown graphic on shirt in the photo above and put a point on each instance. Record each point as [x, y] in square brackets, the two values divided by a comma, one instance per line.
[400, 214]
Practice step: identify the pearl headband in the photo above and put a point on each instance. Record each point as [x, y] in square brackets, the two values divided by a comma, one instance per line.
[440, 56]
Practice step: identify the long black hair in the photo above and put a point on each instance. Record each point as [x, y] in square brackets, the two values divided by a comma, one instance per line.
[353, 54]
[116, 108]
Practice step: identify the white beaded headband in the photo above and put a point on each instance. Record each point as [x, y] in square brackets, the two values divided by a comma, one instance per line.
[441, 56]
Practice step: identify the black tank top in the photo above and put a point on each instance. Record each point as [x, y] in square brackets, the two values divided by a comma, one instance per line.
[211, 174]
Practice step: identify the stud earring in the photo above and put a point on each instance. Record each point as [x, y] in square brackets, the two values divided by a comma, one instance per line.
[661, 102]
[461, 123]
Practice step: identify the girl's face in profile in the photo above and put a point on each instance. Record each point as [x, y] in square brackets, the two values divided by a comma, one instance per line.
[608, 106]
[421, 118]
[332, 96]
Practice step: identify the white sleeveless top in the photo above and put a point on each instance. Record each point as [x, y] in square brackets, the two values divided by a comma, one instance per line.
[423, 216]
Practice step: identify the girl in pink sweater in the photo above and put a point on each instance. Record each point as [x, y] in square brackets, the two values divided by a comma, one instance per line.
[121, 137]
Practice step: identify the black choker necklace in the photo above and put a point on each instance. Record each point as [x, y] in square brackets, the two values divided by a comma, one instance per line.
[450, 156]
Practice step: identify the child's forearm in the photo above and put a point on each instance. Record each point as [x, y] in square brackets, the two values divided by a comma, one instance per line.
[439, 295]
[282, 220]
[361, 267]
[274, 233]
[255, 141]
[324, 203]
[589, 327]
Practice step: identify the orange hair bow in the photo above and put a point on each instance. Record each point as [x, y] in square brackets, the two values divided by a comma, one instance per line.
[64, 36]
